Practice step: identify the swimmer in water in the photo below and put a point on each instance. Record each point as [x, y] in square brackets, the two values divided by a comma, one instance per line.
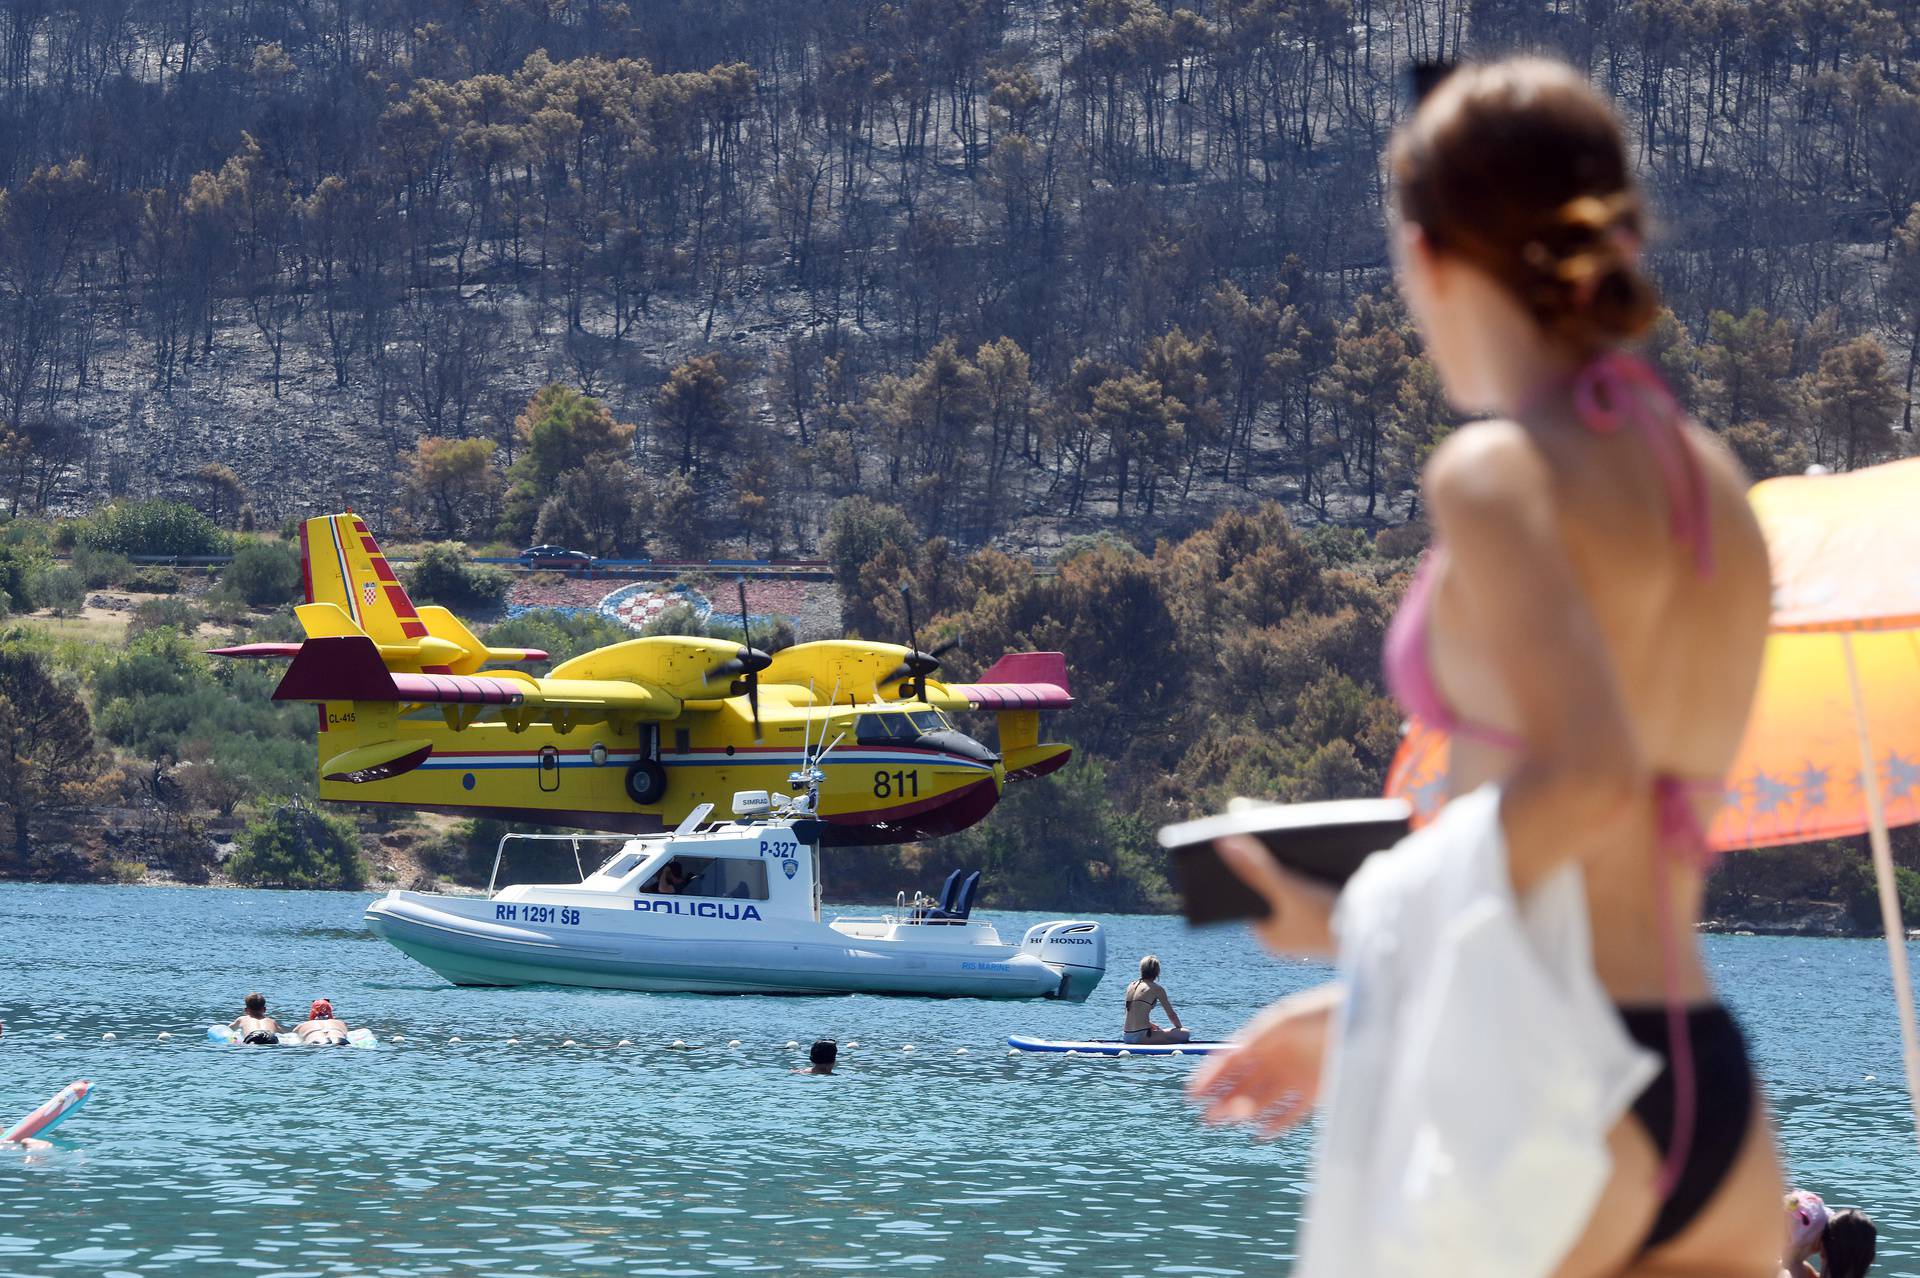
[1806, 1227]
[822, 1054]
[322, 1028]
[1848, 1245]
[254, 1025]
[1141, 996]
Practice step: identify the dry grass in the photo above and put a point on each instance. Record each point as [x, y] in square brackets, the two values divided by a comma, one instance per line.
[91, 625]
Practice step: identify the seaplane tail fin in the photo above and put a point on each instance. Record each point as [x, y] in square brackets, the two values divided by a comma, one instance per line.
[1017, 688]
[341, 564]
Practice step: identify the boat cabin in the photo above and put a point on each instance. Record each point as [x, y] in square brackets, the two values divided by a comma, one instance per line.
[718, 872]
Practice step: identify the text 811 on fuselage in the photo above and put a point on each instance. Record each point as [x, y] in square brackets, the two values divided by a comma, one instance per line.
[634, 736]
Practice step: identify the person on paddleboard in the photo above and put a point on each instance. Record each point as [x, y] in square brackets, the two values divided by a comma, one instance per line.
[254, 1025]
[1142, 995]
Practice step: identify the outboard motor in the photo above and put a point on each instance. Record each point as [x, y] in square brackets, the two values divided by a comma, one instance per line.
[1075, 949]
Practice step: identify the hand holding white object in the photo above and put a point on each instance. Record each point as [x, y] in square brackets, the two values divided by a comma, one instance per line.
[1273, 1078]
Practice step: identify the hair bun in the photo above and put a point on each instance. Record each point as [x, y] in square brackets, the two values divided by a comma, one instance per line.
[1519, 168]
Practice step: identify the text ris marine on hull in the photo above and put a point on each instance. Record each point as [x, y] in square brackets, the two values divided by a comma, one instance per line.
[732, 908]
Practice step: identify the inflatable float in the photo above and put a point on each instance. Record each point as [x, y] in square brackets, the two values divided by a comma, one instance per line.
[227, 1036]
[1113, 1047]
[65, 1103]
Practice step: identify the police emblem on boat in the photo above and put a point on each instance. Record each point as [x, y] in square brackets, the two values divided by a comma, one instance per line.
[791, 867]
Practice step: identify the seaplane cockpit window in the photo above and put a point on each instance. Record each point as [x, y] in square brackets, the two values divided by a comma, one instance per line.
[925, 721]
[726, 877]
[879, 729]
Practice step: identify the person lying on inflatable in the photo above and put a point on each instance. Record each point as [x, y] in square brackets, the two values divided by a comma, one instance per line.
[254, 1025]
[322, 1028]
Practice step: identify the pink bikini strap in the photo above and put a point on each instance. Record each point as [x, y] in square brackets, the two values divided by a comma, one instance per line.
[1620, 390]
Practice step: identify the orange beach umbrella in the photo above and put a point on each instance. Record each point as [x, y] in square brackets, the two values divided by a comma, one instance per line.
[1833, 743]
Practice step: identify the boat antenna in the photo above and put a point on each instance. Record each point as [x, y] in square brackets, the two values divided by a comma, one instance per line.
[808, 777]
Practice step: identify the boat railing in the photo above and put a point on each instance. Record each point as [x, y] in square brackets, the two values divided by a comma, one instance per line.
[900, 920]
[575, 839]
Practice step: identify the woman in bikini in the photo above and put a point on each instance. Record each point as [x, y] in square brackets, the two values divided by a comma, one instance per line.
[1589, 626]
[1141, 997]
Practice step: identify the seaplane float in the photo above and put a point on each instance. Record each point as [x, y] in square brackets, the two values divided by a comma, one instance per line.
[731, 907]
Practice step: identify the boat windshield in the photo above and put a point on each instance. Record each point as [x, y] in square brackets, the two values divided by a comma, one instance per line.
[726, 877]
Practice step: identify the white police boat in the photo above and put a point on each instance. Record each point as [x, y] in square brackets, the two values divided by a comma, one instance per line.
[731, 907]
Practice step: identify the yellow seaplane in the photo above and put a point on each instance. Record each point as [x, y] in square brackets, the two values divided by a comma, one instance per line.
[415, 711]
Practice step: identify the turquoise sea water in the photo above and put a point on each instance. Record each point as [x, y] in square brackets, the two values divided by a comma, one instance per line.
[479, 1157]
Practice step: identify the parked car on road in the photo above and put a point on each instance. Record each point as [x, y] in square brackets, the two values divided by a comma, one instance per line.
[555, 557]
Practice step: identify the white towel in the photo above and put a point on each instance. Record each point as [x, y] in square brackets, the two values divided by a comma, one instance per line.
[1475, 1070]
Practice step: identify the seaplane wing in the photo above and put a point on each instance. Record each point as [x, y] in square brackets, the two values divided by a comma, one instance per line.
[350, 668]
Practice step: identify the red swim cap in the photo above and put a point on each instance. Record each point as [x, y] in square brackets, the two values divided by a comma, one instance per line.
[321, 1010]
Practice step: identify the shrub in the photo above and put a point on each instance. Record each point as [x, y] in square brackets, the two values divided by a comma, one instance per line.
[18, 566]
[158, 614]
[561, 635]
[152, 528]
[1860, 892]
[263, 573]
[1335, 547]
[58, 590]
[443, 576]
[464, 852]
[858, 530]
[126, 871]
[99, 568]
[152, 579]
[159, 698]
[295, 846]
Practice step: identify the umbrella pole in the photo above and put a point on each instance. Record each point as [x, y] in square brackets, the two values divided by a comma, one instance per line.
[1889, 892]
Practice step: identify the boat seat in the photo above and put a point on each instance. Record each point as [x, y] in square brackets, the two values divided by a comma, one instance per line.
[948, 891]
[955, 904]
[963, 903]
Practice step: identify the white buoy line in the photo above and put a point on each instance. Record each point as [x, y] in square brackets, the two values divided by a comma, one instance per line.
[517, 1040]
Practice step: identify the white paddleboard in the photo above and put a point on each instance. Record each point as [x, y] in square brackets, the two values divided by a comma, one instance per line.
[1113, 1047]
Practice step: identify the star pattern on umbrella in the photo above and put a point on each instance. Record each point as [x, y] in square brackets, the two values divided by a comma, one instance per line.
[1430, 795]
[1813, 786]
[1771, 796]
[1903, 775]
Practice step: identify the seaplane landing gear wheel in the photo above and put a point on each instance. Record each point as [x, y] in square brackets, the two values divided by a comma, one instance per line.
[646, 782]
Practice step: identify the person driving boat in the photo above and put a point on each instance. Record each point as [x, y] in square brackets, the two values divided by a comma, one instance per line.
[672, 879]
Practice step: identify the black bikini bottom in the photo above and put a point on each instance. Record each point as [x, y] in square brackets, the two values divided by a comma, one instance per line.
[1722, 1108]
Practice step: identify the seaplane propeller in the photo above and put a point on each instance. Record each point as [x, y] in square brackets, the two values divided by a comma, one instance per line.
[917, 665]
[746, 664]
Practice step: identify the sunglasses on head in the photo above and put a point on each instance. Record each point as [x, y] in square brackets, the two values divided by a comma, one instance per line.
[1424, 77]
